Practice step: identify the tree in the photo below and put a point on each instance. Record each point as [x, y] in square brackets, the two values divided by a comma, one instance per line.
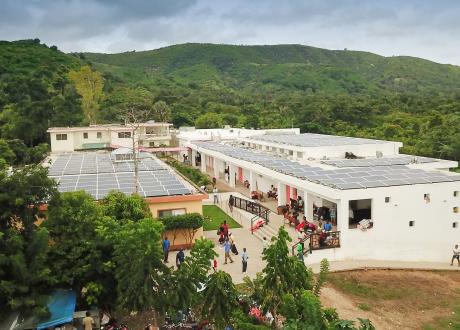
[6, 153]
[140, 272]
[303, 312]
[209, 120]
[185, 282]
[134, 115]
[75, 256]
[21, 195]
[161, 112]
[283, 274]
[24, 272]
[322, 277]
[219, 299]
[123, 208]
[89, 85]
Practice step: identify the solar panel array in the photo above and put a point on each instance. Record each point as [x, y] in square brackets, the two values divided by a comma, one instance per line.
[97, 174]
[384, 161]
[342, 178]
[313, 140]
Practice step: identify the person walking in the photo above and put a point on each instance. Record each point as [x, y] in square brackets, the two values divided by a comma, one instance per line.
[216, 197]
[225, 226]
[180, 257]
[231, 202]
[88, 321]
[244, 259]
[300, 252]
[166, 245]
[214, 265]
[227, 249]
[456, 255]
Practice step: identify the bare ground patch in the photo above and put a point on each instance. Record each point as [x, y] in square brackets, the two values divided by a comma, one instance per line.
[396, 299]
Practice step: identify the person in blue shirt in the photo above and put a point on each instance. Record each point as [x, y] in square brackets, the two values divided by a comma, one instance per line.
[227, 249]
[165, 245]
[327, 226]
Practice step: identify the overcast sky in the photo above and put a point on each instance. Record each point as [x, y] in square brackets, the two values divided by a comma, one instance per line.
[422, 28]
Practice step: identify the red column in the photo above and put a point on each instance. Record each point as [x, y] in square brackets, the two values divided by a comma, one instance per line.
[240, 174]
[294, 193]
[288, 194]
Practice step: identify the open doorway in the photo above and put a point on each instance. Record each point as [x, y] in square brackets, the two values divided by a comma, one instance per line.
[360, 214]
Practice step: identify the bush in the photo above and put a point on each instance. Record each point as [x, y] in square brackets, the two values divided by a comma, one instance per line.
[193, 174]
[189, 223]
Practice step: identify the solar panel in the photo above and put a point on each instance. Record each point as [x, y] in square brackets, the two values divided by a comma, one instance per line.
[98, 174]
[386, 174]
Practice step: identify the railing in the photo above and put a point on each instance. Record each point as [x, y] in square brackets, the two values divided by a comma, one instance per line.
[318, 241]
[252, 207]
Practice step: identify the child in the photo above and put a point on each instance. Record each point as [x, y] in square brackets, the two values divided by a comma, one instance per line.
[214, 265]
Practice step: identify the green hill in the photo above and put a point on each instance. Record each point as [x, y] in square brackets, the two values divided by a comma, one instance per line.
[34, 90]
[326, 91]
[282, 67]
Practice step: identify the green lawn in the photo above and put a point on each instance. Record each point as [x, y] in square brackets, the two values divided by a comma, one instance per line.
[214, 216]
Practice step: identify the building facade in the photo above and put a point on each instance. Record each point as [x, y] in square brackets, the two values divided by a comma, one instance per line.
[146, 135]
[412, 204]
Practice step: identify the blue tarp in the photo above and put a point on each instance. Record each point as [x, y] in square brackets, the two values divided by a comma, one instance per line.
[61, 306]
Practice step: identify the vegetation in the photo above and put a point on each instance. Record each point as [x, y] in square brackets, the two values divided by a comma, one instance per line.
[186, 223]
[193, 174]
[214, 217]
[321, 91]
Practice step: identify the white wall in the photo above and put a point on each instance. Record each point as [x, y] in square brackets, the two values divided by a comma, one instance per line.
[62, 145]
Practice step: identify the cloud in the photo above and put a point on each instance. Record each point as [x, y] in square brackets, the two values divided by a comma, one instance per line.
[419, 28]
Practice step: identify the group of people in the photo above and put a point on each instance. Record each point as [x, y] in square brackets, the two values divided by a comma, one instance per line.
[306, 228]
[180, 255]
[227, 239]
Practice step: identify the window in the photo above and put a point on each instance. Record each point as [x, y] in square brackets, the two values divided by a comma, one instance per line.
[291, 153]
[61, 137]
[411, 223]
[85, 135]
[426, 197]
[167, 213]
[455, 209]
[360, 214]
[456, 194]
[152, 144]
[124, 135]
[387, 199]
[299, 154]
[455, 224]
[99, 135]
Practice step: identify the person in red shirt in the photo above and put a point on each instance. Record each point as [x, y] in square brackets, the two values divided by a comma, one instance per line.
[225, 226]
[214, 265]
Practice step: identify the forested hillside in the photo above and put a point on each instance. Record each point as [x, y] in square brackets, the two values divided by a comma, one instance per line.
[338, 92]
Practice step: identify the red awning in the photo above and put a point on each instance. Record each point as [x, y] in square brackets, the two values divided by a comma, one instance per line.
[165, 149]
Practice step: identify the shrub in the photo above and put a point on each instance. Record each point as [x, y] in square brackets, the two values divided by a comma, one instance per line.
[189, 223]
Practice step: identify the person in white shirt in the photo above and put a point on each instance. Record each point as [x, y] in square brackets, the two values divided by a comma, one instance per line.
[244, 259]
[456, 255]
[216, 197]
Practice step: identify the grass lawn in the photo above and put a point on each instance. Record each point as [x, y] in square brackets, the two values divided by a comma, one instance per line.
[214, 216]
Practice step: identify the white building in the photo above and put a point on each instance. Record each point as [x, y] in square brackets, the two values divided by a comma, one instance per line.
[412, 202]
[148, 135]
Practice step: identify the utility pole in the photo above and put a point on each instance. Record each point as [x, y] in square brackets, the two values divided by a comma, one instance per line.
[133, 118]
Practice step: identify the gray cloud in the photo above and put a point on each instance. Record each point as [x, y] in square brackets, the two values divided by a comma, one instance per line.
[420, 28]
